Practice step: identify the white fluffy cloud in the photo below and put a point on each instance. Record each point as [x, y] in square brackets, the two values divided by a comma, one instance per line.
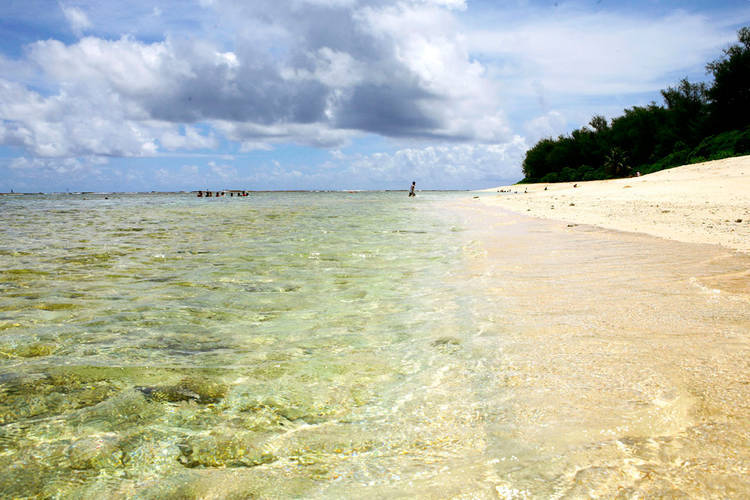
[441, 167]
[23, 174]
[433, 167]
[67, 125]
[77, 19]
[595, 53]
[398, 69]
[429, 42]
[70, 125]
[551, 124]
[189, 138]
[125, 67]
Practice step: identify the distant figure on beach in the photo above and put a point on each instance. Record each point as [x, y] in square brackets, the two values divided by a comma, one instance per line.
[411, 190]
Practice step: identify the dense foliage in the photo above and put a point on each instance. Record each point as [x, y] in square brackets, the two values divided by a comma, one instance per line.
[696, 123]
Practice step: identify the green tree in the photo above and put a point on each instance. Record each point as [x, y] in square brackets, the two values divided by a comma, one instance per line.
[730, 92]
[688, 112]
[536, 164]
[599, 123]
[643, 133]
[617, 163]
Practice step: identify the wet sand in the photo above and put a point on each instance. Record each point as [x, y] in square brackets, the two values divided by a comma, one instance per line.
[637, 331]
[614, 363]
[701, 203]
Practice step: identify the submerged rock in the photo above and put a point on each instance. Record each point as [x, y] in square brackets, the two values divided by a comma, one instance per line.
[123, 410]
[149, 449]
[446, 344]
[95, 452]
[199, 389]
[28, 395]
[295, 408]
[224, 449]
[34, 350]
[443, 341]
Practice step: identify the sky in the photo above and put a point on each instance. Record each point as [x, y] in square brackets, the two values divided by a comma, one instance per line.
[105, 95]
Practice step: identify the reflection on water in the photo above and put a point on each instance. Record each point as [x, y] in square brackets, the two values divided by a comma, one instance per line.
[362, 345]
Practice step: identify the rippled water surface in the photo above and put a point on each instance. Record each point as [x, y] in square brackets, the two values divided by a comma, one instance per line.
[362, 345]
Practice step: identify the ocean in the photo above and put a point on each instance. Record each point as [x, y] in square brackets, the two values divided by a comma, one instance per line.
[362, 345]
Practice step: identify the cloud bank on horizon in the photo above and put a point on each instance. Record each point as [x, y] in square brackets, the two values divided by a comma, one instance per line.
[324, 94]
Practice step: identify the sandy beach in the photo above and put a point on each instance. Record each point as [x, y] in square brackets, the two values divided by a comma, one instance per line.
[701, 203]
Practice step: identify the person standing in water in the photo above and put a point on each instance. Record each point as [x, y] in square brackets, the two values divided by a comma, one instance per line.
[413, 186]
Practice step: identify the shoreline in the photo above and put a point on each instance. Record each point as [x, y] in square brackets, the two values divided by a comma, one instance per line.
[706, 203]
[610, 349]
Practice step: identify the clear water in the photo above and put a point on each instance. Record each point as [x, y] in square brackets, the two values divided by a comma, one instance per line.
[347, 345]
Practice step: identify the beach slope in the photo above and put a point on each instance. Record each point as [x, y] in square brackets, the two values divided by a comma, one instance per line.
[701, 203]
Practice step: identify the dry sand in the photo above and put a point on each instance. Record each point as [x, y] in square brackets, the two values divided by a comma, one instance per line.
[701, 203]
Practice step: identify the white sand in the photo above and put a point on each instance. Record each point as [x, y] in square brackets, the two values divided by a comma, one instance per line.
[701, 203]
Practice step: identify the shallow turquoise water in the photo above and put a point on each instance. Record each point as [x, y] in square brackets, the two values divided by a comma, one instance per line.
[362, 345]
[179, 282]
[145, 335]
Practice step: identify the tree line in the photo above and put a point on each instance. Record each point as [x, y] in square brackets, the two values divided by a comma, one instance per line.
[696, 123]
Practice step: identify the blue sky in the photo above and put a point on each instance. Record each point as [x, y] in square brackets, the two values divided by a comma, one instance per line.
[325, 94]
